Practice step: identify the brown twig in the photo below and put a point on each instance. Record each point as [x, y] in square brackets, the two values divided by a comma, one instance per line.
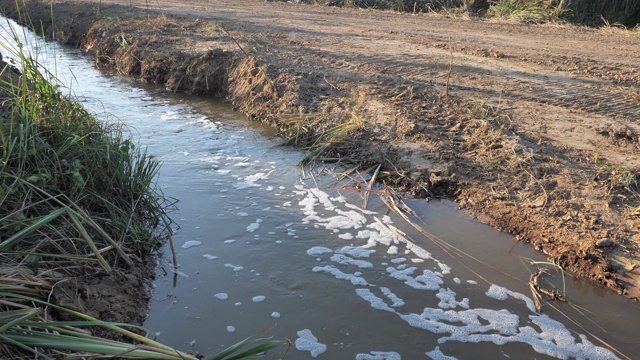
[446, 92]
[173, 252]
[369, 186]
[234, 39]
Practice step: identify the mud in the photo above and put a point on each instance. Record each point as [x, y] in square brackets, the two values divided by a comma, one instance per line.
[122, 296]
[538, 136]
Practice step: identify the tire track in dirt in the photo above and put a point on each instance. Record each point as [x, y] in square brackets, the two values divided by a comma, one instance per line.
[587, 95]
[584, 95]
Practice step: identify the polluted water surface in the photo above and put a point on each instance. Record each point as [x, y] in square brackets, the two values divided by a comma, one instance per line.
[269, 249]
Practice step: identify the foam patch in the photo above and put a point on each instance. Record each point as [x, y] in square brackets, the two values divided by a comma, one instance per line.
[307, 342]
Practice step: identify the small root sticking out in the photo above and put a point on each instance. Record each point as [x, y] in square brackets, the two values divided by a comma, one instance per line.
[537, 291]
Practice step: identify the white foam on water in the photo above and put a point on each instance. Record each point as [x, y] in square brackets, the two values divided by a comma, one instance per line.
[209, 256]
[345, 260]
[497, 292]
[448, 300]
[428, 280]
[501, 327]
[436, 354]
[223, 172]
[379, 355]
[230, 241]
[287, 203]
[356, 252]
[190, 244]
[231, 329]
[254, 226]
[275, 315]
[374, 301]
[251, 180]
[242, 214]
[307, 342]
[379, 233]
[222, 296]
[472, 282]
[235, 268]
[259, 298]
[315, 196]
[344, 220]
[237, 304]
[396, 301]
[445, 269]
[346, 236]
[500, 293]
[318, 250]
[454, 319]
[466, 325]
[338, 274]
[170, 115]
[242, 164]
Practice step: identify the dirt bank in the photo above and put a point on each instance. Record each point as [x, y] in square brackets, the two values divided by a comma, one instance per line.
[539, 135]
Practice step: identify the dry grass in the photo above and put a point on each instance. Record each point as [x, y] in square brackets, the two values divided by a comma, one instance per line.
[309, 133]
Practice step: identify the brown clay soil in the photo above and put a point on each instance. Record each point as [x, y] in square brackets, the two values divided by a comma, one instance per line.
[538, 134]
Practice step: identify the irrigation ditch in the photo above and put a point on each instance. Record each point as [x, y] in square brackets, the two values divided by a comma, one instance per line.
[582, 214]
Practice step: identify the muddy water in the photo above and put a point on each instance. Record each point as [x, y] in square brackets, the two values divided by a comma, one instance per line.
[263, 244]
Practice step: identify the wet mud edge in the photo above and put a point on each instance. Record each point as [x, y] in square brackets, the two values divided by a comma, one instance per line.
[431, 145]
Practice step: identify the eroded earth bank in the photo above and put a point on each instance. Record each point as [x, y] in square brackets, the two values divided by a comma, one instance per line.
[533, 129]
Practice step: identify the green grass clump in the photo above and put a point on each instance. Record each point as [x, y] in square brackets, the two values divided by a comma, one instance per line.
[54, 155]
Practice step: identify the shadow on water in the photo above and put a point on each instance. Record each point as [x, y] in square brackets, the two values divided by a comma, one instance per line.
[264, 245]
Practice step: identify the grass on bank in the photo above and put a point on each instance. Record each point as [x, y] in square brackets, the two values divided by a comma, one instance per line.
[528, 11]
[77, 197]
[302, 132]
